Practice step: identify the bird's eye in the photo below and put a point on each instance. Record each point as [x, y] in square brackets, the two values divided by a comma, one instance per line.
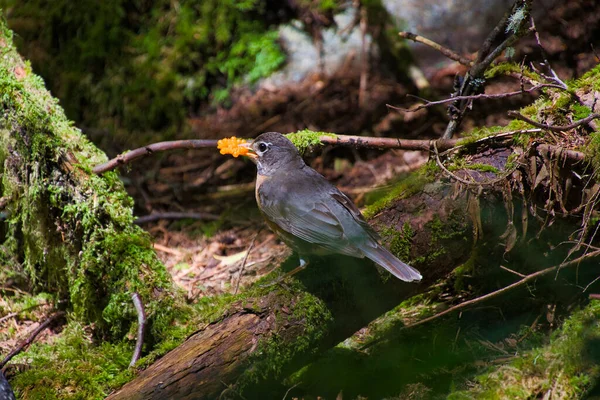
[262, 147]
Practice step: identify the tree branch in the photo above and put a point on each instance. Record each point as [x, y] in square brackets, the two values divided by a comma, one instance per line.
[429, 103]
[31, 337]
[337, 140]
[126, 158]
[554, 128]
[496, 293]
[444, 50]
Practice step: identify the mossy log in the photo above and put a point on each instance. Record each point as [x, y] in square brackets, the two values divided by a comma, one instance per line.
[67, 231]
[433, 222]
[72, 234]
[271, 333]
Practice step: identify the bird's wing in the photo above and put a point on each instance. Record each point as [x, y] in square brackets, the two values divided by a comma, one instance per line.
[312, 221]
[355, 212]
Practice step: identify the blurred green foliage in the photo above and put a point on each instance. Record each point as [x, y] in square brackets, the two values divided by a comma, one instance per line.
[143, 65]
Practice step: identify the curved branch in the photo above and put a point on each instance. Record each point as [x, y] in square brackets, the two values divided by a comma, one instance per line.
[126, 158]
[496, 293]
[369, 142]
[554, 128]
[444, 50]
[429, 103]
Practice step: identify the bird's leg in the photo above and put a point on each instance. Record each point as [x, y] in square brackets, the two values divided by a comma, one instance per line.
[303, 264]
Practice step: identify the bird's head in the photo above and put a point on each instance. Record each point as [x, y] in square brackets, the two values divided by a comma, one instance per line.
[272, 151]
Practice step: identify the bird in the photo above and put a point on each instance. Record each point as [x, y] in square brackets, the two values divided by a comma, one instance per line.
[309, 213]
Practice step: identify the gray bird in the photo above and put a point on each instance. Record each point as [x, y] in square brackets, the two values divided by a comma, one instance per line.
[310, 214]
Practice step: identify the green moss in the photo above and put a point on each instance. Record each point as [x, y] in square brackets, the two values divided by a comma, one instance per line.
[74, 237]
[306, 138]
[507, 68]
[483, 168]
[589, 81]
[463, 271]
[592, 150]
[399, 242]
[73, 367]
[568, 364]
[580, 111]
[479, 133]
[440, 231]
[408, 186]
[275, 354]
[141, 68]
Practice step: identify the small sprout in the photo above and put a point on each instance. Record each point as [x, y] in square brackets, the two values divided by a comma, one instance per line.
[232, 146]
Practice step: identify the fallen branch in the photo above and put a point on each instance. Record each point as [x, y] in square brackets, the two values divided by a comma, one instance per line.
[126, 158]
[337, 140]
[444, 50]
[554, 128]
[31, 337]
[472, 97]
[496, 293]
[139, 308]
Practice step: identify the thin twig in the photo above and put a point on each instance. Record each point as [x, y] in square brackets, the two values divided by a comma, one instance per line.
[31, 337]
[486, 55]
[289, 390]
[554, 128]
[14, 314]
[505, 289]
[447, 171]
[444, 50]
[237, 285]
[498, 292]
[554, 77]
[513, 271]
[471, 97]
[129, 156]
[139, 308]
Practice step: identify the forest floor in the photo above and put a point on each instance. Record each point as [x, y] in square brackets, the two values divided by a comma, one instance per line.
[232, 247]
[205, 257]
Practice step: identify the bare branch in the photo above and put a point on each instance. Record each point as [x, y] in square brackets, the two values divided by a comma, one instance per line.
[475, 77]
[126, 158]
[508, 288]
[444, 50]
[554, 76]
[32, 337]
[472, 97]
[237, 285]
[139, 308]
[337, 140]
[553, 128]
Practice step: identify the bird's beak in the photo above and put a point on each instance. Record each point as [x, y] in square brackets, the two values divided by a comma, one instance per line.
[251, 154]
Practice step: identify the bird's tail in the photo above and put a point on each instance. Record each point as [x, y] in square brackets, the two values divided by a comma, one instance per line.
[396, 267]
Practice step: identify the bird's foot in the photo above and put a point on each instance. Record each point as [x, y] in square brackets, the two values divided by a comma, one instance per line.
[303, 265]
